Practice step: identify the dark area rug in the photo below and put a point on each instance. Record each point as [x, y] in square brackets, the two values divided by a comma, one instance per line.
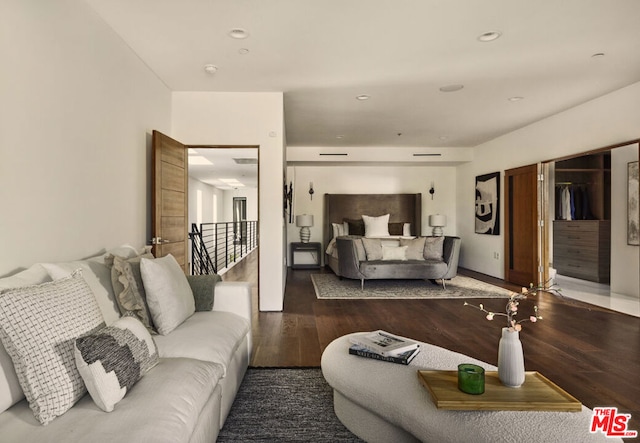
[284, 405]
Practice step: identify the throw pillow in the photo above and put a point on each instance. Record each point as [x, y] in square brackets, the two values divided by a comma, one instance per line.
[203, 288]
[169, 295]
[113, 359]
[338, 229]
[396, 228]
[394, 252]
[415, 247]
[433, 248]
[129, 288]
[10, 390]
[373, 248]
[376, 226]
[355, 227]
[406, 230]
[38, 326]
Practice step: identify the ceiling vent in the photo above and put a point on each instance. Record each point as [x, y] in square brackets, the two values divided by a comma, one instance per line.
[246, 161]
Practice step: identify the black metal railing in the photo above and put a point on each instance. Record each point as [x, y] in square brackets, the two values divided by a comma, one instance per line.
[215, 246]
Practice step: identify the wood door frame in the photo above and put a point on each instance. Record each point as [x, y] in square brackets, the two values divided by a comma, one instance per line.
[535, 217]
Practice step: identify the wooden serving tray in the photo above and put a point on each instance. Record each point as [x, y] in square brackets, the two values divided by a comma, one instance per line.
[536, 394]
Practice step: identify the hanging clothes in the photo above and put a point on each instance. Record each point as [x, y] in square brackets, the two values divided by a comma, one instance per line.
[572, 202]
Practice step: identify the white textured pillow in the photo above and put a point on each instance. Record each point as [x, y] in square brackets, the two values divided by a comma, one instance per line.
[113, 359]
[415, 247]
[376, 226]
[10, 390]
[406, 230]
[38, 326]
[394, 252]
[338, 229]
[169, 295]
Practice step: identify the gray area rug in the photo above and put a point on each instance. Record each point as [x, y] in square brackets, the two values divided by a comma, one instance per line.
[284, 405]
[329, 286]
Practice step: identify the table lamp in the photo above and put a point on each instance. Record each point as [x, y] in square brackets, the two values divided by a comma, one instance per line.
[437, 221]
[304, 222]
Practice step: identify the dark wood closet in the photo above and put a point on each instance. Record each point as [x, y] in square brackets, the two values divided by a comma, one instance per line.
[582, 222]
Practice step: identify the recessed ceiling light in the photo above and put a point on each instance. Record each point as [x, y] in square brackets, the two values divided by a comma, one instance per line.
[210, 69]
[243, 51]
[598, 55]
[451, 88]
[238, 33]
[199, 160]
[363, 97]
[489, 36]
[443, 137]
[515, 99]
[339, 136]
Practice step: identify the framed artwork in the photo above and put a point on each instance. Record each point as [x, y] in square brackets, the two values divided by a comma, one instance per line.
[487, 204]
[633, 213]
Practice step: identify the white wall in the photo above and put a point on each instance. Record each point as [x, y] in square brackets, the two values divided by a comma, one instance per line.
[201, 118]
[77, 108]
[605, 121]
[625, 259]
[251, 194]
[208, 194]
[372, 180]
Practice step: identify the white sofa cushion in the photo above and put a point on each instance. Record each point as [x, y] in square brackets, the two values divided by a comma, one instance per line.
[163, 407]
[38, 326]
[169, 294]
[208, 335]
[113, 359]
[10, 389]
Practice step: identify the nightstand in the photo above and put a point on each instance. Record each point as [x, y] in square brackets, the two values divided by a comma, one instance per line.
[305, 255]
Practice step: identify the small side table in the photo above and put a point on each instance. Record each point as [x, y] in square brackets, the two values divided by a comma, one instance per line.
[299, 250]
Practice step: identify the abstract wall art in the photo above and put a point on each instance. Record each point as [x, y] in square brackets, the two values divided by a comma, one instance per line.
[487, 204]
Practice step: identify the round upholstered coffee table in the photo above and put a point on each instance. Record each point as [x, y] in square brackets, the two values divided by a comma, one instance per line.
[385, 402]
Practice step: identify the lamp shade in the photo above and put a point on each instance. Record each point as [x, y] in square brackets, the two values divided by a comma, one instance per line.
[304, 220]
[438, 220]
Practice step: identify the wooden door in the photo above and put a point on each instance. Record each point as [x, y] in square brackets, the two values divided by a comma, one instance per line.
[522, 226]
[170, 178]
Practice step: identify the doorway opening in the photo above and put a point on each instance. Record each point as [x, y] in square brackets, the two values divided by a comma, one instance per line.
[585, 217]
[227, 179]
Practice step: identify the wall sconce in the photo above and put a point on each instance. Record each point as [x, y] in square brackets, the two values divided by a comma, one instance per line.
[437, 221]
[304, 222]
[311, 191]
[432, 190]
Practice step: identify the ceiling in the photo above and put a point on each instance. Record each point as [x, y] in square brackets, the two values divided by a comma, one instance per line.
[225, 168]
[323, 54]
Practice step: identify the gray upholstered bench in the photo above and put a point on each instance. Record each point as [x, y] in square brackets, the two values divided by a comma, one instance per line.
[385, 402]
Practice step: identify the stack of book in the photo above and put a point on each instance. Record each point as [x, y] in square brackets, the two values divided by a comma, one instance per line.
[382, 345]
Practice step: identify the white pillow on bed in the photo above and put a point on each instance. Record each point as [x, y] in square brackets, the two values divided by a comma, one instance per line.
[376, 226]
[340, 229]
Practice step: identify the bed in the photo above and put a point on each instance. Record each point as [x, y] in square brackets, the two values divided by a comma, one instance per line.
[338, 208]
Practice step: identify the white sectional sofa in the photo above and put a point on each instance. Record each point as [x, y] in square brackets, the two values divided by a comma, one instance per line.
[187, 395]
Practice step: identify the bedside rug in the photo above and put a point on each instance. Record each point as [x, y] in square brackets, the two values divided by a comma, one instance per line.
[329, 286]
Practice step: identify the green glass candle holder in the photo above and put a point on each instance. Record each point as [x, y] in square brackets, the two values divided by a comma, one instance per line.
[471, 378]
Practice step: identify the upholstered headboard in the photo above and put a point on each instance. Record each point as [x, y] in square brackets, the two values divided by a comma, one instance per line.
[403, 208]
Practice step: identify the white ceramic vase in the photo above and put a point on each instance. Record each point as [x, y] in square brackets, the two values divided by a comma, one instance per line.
[510, 359]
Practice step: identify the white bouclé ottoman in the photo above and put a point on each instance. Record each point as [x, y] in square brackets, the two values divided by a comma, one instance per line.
[385, 402]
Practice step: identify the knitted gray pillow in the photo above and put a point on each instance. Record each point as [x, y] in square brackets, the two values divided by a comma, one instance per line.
[38, 326]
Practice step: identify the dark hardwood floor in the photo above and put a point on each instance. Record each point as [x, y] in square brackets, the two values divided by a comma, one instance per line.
[591, 352]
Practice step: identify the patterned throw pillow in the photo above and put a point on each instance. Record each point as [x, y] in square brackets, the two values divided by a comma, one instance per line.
[129, 288]
[113, 359]
[38, 326]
